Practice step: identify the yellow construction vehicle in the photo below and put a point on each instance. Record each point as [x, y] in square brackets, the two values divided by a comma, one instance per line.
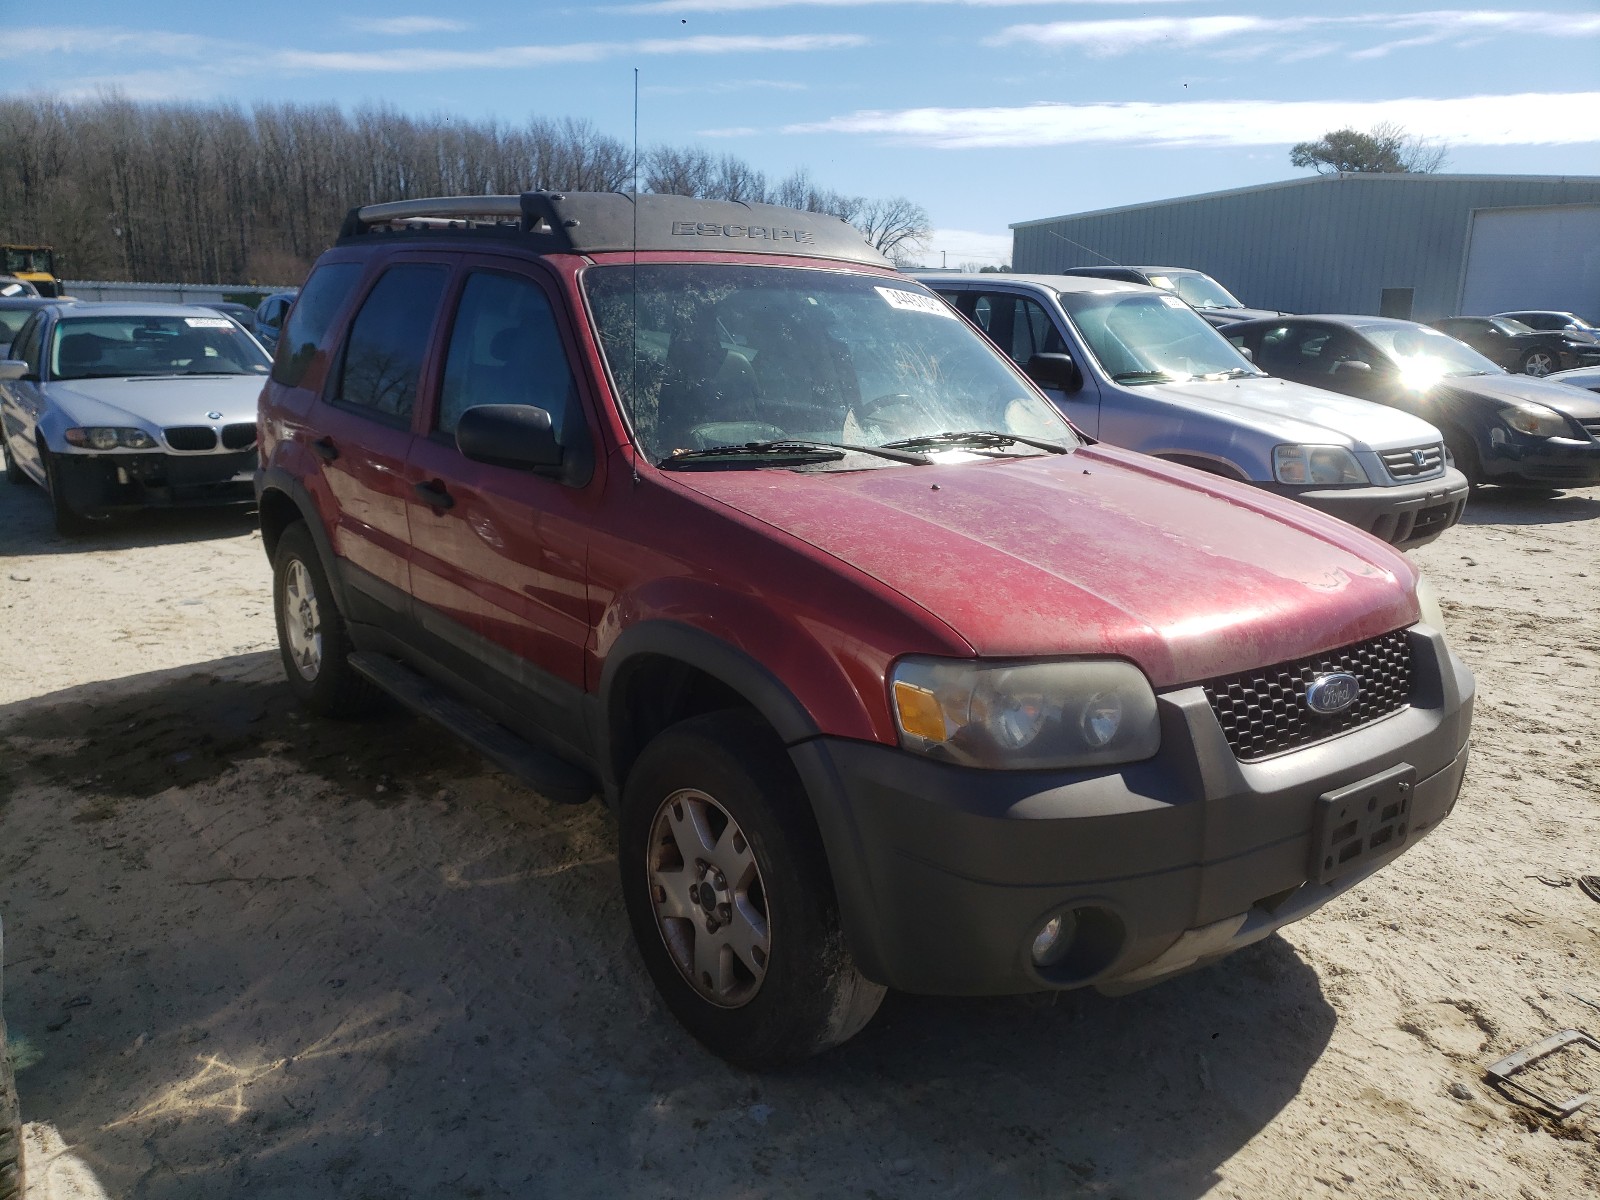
[36, 264]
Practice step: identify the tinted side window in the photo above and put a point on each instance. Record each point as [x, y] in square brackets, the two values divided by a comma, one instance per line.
[388, 338]
[320, 299]
[1033, 332]
[27, 344]
[505, 348]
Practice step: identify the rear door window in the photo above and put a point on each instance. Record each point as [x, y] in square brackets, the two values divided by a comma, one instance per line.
[388, 341]
[320, 300]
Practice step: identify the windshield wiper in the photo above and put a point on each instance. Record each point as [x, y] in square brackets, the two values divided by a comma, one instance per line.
[1232, 373]
[790, 448]
[974, 437]
[1142, 377]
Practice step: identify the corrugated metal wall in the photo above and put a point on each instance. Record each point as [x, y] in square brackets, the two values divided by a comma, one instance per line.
[1328, 243]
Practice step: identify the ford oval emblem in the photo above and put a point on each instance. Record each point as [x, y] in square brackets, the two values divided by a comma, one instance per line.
[1329, 694]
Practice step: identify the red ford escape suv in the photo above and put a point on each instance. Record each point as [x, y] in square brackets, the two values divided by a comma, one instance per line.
[891, 678]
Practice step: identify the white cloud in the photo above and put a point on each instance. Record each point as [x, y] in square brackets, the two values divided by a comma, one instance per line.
[731, 131]
[1513, 120]
[533, 56]
[1246, 36]
[38, 40]
[666, 7]
[406, 26]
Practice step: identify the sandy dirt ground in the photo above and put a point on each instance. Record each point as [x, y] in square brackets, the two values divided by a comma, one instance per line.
[257, 955]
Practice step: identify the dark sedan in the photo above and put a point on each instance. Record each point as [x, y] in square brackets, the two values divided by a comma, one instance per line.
[1500, 428]
[1202, 293]
[1519, 347]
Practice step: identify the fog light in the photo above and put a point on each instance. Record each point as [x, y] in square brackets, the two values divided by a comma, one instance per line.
[1054, 939]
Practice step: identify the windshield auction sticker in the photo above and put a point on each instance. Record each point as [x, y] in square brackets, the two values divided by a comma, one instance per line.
[915, 302]
[208, 322]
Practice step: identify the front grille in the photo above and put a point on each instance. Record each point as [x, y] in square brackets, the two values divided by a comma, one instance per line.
[1592, 428]
[1404, 464]
[1264, 712]
[239, 436]
[191, 437]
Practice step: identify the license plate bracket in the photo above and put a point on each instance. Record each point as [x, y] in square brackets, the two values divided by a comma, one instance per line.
[1355, 825]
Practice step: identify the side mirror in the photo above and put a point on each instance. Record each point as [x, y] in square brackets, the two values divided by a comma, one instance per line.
[1249, 354]
[510, 435]
[1352, 365]
[12, 368]
[1055, 371]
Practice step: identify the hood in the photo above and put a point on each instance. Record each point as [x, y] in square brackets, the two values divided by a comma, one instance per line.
[1228, 316]
[1097, 552]
[168, 400]
[1584, 377]
[1561, 396]
[1296, 412]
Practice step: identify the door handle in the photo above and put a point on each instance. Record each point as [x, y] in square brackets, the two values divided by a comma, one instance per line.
[433, 494]
[325, 449]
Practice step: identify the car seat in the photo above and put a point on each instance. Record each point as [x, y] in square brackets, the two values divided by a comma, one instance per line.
[76, 354]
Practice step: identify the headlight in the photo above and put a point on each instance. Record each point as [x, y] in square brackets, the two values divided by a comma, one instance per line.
[1021, 715]
[1535, 419]
[107, 437]
[1316, 464]
[1428, 602]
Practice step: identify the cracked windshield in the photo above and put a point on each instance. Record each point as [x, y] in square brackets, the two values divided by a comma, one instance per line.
[1145, 338]
[807, 367]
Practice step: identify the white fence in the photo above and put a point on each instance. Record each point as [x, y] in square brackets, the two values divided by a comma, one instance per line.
[161, 293]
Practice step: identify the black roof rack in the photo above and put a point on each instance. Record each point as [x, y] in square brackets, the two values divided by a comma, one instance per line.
[592, 222]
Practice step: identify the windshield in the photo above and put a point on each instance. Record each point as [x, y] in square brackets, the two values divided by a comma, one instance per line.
[1202, 291]
[105, 347]
[1514, 328]
[731, 355]
[29, 258]
[1420, 352]
[1141, 337]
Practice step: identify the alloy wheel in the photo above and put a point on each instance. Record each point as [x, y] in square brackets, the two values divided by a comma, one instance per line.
[302, 621]
[709, 900]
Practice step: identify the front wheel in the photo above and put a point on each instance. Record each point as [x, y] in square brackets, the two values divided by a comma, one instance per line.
[312, 639]
[1464, 454]
[14, 473]
[68, 520]
[728, 891]
[1539, 363]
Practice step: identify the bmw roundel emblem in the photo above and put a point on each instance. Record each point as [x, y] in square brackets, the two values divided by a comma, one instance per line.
[213, 416]
[1330, 694]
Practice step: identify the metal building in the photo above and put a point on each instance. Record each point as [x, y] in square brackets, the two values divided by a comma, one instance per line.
[1418, 246]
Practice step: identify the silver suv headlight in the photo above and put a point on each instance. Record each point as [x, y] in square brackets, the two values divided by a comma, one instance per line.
[1025, 715]
[1316, 464]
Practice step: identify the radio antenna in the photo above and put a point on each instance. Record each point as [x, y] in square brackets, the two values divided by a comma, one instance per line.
[633, 278]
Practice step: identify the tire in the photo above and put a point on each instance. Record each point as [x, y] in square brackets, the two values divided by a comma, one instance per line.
[726, 780]
[1465, 454]
[312, 639]
[1539, 362]
[12, 1182]
[68, 520]
[14, 473]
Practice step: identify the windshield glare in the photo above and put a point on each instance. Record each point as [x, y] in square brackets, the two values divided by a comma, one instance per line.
[106, 347]
[1143, 333]
[1202, 291]
[1418, 350]
[729, 355]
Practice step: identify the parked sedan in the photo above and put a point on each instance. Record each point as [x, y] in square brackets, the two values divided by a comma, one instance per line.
[1137, 367]
[1549, 318]
[1583, 377]
[1506, 429]
[270, 315]
[1198, 290]
[121, 406]
[14, 314]
[1519, 347]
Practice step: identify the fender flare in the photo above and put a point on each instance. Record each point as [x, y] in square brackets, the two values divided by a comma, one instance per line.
[277, 479]
[702, 651]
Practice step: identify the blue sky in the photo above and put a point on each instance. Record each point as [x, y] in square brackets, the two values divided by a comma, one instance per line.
[984, 111]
